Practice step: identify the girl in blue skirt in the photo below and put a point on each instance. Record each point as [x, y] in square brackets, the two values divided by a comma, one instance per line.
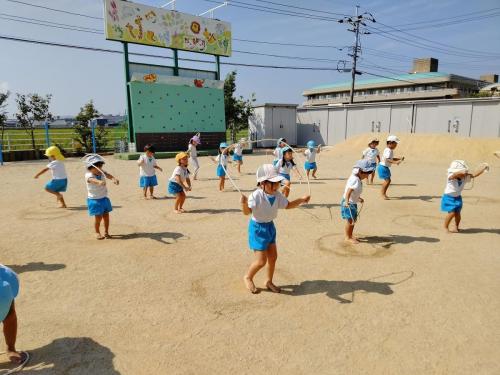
[451, 202]
[388, 159]
[59, 182]
[310, 155]
[180, 181]
[147, 174]
[263, 204]
[352, 195]
[221, 161]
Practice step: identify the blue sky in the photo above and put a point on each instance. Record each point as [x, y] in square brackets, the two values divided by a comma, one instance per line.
[74, 77]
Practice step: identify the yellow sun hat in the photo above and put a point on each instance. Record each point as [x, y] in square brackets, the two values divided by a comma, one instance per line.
[180, 155]
[54, 152]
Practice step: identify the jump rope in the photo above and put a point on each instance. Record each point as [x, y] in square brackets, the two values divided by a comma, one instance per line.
[21, 365]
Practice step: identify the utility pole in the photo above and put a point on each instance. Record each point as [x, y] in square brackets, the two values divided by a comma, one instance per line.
[356, 22]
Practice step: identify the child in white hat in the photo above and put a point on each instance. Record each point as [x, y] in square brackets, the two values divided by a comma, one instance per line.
[180, 182]
[372, 154]
[451, 202]
[384, 171]
[147, 171]
[310, 156]
[98, 202]
[59, 182]
[263, 204]
[193, 155]
[352, 195]
[238, 154]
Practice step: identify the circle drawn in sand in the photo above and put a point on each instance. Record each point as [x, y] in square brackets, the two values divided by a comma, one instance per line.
[419, 221]
[334, 243]
[43, 213]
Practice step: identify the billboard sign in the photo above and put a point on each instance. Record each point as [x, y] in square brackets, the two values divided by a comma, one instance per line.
[130, 22]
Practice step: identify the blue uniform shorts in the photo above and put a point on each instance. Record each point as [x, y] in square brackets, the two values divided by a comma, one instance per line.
[174, 188]
[451, 204]
[59, 185]
[261, 235]
[349, 213]
[384, 173]
[220, 171]
[146, 181]
[309, 166]
[99, 207]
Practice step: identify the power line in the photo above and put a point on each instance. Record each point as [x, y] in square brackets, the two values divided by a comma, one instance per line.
[53, 9]
[94, 49]
[52, 26]
[301, 8]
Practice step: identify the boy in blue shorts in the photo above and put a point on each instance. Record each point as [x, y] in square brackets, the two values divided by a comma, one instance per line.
[310, 155]
[147, 175]
[384, 171]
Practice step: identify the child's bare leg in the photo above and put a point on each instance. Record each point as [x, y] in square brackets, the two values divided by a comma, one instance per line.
[286, 189]
[182, 199]
[458, 217]
[177, 203]
[258, 263]
[151, 191]
[10, 334]
[272, 256]
[385, 186]
[97, 227]
[314, 172]
[221, 183]
[307, 172]
[60, 198]
[106, 225]
[371, 178]
[145, 192]
[239, 166]
[349, 229]
[447, 221]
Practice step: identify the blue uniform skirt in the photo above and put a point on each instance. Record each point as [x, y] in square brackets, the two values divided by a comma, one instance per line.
[308, 166]
[220, 171]
[174, 188]
[237, 157]
[59, 185]
[384, 173]
[99, 207]
[451, 204]
[287, 177]
[261, 235]
[146, 181]
[9, 289]
[349, 213]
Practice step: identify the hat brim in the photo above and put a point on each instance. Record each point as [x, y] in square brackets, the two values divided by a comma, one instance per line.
[455, 170]
[277, 178]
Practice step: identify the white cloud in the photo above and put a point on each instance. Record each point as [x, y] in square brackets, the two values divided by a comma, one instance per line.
[4, 87]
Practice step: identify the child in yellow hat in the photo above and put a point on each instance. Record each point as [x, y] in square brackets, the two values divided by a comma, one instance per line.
[59, 182]
[180, 182]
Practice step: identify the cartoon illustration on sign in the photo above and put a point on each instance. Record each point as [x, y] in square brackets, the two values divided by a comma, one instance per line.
[199, 83]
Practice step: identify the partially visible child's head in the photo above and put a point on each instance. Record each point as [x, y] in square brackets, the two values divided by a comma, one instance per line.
[288, 155]
[392, 142]
[281, 142]
[311, 145]
[195, 140]
[182, 159]
[373, 143]
[363, 168]
[223, 148]
[94, 168]
[150, 150]
[268, 178]
[54, 153]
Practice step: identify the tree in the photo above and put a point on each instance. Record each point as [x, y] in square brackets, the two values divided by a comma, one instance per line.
[32, 108]
[84, 132]
[3, 113]
[237, 110]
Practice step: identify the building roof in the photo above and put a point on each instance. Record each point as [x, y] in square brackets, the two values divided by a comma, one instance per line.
[491, 87]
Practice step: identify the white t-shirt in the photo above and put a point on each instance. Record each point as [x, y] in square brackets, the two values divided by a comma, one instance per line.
[222, 159]
[284, 169]
[262, 210]
[179, 171]
[310, 155]
[356, 185]
[371, 154]
[454, 187]
[388, 154]
[278, 155]
[238, 150]
[192, 151]
[95, 191]
[148, 167]
[57, 169]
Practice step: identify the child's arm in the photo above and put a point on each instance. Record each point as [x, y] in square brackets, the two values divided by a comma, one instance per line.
[485, 168]
[179, 181]
[458, 176]
[297, 171]
[158, 167]
[394, 161]
[348, 196]
[111, 177]
[297, 202]
[319, 149]
[244, 205]
[188, 180]
[378, 158]
[95, 181]
[41, 172]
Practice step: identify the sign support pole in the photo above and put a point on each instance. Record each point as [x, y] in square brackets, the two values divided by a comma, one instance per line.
[217, 63]
[176, 63]
[131, 135]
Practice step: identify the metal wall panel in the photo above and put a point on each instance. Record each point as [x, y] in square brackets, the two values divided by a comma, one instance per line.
[401, 119]
[485, 120]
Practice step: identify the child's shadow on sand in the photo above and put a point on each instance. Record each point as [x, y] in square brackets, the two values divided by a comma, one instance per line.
[335, 289]
[36, 266]
[158, 236]
[75, 355]
[394, 239]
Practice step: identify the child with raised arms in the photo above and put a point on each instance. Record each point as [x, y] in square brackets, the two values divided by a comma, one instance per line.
[147, 175]
[180, 182]
[372, 154]
[388, 159]
[238, 155]
[98, 202]
[285, 167]
[263, 204]
[221, 161]
[59, 182]
[310, 155]
[193, 155]
[352, 195]
[278, 151]
[451, 202]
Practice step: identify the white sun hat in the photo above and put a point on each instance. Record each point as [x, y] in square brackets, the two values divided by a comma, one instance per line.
[267, 172]
[458, 166]
[393, 138]
[92, 159]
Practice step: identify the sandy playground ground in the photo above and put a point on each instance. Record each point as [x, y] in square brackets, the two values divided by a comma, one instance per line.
[166, 295]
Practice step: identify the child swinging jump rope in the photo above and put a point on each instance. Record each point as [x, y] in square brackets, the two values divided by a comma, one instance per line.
[147, 175]
[451, 202]
[193, 154]
[352, 195]
[384, 171]
[180, 182]
[310, 155]
[98, 202]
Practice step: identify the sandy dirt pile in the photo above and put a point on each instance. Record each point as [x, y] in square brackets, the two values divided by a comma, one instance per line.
[166, 295]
